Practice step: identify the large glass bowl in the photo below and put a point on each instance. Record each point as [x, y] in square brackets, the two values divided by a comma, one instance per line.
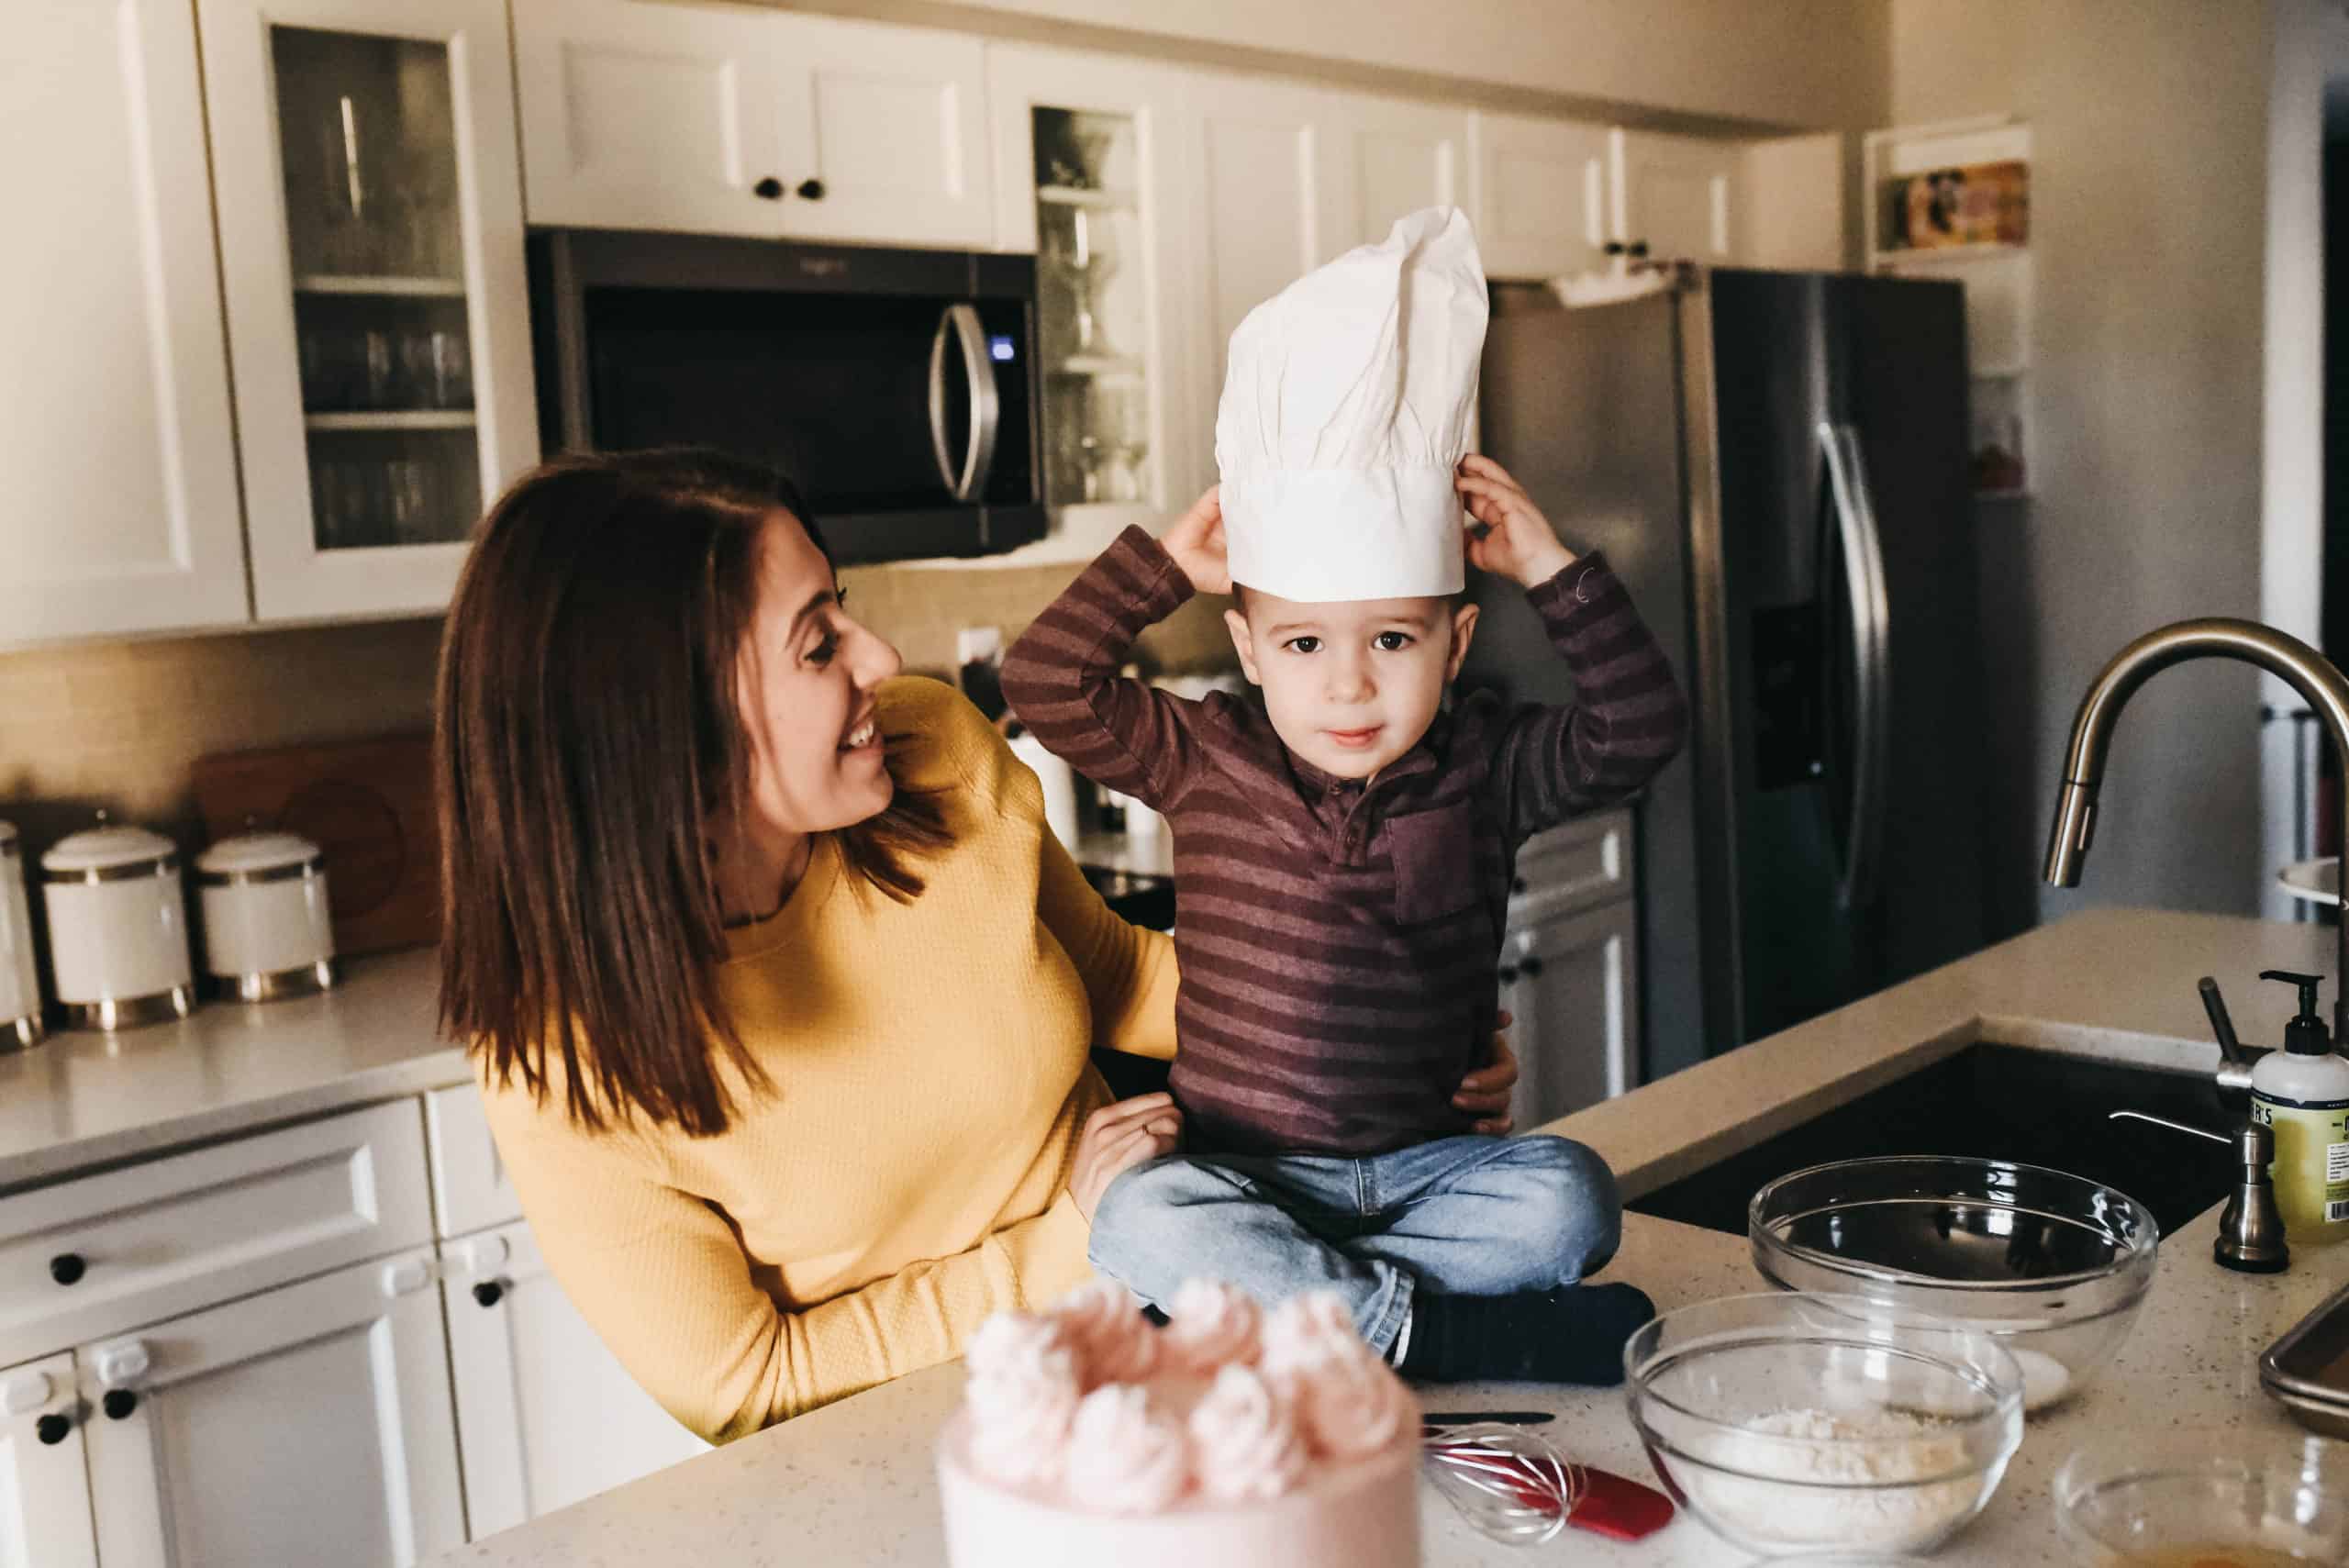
[2221, 1497]
[2054, 1266]
[1792, 1422]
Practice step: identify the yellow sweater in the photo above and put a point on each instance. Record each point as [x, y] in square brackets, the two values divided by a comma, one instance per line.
[908, 1175]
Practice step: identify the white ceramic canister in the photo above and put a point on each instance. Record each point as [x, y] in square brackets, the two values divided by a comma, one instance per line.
[20, 1023]
[1060, 787]
[266, 931]
[117, 928]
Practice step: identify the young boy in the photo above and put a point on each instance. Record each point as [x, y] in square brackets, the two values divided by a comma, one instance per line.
[1342, 858]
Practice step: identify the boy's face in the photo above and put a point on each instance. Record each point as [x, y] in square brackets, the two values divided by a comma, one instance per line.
[1353, 686]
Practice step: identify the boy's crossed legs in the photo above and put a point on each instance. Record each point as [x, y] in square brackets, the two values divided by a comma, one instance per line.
[1466, 1252]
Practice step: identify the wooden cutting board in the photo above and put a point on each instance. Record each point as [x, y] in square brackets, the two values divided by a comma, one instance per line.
[368, 804]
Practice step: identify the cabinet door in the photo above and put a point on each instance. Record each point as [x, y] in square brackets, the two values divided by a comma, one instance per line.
[1543, 187]
[895, 121]
[545, 1416]
[1389, 158]
[44, 1484]
[1264, 214]
[370, 223]
[638, 115]
[1573, 983]
[310, 1424]
[115, 430]
[1673, 194]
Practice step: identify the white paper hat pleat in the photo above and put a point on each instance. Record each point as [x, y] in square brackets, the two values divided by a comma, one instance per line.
[1346, 408]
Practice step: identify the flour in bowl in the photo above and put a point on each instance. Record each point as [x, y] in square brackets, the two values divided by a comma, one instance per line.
[1869, 1454]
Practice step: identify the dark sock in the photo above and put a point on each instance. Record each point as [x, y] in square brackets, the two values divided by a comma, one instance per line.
[1570, 1335]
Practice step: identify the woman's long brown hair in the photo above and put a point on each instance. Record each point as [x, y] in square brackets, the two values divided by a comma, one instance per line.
[587, 748]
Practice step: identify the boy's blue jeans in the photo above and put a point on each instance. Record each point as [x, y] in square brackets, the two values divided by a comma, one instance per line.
[1463, 1216]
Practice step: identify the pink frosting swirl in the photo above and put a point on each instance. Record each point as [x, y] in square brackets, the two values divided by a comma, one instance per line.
[1211, 1325]
[1309, 1328]
[1244, 1441]
[1022, 1395]
[1114, 1342]
[1125, 1455]
[1350, 1405]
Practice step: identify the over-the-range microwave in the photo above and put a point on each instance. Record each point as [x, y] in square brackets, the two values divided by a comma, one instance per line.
[898, 387]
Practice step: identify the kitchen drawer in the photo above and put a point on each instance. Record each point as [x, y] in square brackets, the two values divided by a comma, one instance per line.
[83, 1259]
[1578, 865]
[470, 1189]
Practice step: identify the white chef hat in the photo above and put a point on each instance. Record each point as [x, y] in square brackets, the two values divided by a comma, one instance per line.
[1346, 407]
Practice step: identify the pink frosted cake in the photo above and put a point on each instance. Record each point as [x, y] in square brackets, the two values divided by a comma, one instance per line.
[1227, 1439]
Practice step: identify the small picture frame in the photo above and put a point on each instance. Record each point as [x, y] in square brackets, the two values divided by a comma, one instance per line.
[1974, 204]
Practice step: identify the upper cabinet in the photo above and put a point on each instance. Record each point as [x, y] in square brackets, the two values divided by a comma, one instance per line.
[371, 228]
[1543, 187]
[114, 428]
[735, 120]
[1385, 159]
[1672, 195]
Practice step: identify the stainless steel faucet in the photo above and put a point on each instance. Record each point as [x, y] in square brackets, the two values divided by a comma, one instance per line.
[2287, 658]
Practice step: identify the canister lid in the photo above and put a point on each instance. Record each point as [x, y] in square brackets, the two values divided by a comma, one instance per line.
[108, 852]
[254, 856]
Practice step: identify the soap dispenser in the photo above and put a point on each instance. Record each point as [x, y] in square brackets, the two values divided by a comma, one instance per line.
[2302, 1092]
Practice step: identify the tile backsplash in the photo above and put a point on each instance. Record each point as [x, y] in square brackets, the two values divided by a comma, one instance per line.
[117, 724]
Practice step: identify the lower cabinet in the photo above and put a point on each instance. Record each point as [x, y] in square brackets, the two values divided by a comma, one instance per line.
[545, 1416]
[1571, 979]
[44, 1486]
[308, 1424]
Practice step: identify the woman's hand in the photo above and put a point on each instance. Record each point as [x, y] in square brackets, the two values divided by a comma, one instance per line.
[1509, 536]
[1195, 541]
[1484, 1094]
[1122, 1134]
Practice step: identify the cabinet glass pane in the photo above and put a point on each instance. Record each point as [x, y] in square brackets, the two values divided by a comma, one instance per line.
[1093, 307]
[367, 142]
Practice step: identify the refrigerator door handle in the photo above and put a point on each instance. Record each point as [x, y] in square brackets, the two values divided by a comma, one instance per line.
[1871, 648]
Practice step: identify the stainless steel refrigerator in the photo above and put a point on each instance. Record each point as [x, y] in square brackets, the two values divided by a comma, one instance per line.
[1777, 463]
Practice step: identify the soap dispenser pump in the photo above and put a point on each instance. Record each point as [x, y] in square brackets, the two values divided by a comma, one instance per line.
[2301, 1093]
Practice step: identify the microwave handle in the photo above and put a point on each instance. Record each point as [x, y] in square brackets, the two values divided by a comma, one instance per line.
[961, 323]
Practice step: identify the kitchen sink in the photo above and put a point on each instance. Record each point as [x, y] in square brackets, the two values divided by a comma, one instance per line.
[1997, 1102]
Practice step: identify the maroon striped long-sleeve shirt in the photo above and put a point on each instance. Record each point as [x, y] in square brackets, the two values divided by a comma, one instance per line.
[1338, 939]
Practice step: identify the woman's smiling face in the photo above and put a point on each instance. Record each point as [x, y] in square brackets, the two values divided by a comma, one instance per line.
[805, 684]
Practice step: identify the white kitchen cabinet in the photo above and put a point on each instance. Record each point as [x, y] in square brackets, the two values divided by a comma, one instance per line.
[738, 120]
[1542, 186]
[1261, 205]
[1385, 158]
[545, 1415]
[115, 427]
[1673, 194]
[371, 228]
[44, 1479]
[310, 1424]
[1573, 981]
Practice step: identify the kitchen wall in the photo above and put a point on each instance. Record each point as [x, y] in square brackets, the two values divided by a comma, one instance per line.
[1697, 64]
[117, 724]
[2149, 123]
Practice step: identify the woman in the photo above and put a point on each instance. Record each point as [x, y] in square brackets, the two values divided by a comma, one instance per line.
[779, 993]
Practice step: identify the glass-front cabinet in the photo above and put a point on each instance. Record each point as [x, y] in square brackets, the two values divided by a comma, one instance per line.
[371, 227]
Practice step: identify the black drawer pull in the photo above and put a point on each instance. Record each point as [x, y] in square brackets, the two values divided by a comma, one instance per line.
[119, 1403]
[489, 1293]
[53, 1430]
[67, 1267]
[768, 190]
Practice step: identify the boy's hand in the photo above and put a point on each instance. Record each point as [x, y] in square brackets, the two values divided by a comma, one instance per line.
[1508, 535]
[1484, 1094]
[1195, 541]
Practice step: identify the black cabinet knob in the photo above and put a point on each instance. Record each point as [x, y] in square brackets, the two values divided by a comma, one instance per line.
[1532, 966]
[1517, 884]
[53, 1430]
[119, 1403]
[812, 189]
[489, 1293]
[1508, 975]
[67, 1267]
[768, 190]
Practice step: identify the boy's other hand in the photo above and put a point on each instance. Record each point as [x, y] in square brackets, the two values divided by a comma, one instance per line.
[1195, 541]
[1484, 1094]
[1508, 535]
[1117, 1137]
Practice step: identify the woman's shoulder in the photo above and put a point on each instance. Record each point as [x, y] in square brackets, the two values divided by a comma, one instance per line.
[941, 740]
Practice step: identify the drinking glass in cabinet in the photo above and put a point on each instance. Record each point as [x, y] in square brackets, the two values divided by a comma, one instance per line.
[367, 133]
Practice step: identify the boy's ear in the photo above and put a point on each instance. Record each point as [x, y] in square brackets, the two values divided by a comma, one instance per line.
[1463, 632]
[1243, 644]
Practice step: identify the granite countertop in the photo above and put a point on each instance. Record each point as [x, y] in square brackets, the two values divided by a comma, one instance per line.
[852, 1485]
[82, 1100]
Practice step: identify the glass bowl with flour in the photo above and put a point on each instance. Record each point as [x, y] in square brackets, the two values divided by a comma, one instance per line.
[2054, 1266]
[1799, 1422]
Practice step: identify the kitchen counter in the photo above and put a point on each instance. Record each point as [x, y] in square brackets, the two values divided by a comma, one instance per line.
[80, 1100]
[851, 1485]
